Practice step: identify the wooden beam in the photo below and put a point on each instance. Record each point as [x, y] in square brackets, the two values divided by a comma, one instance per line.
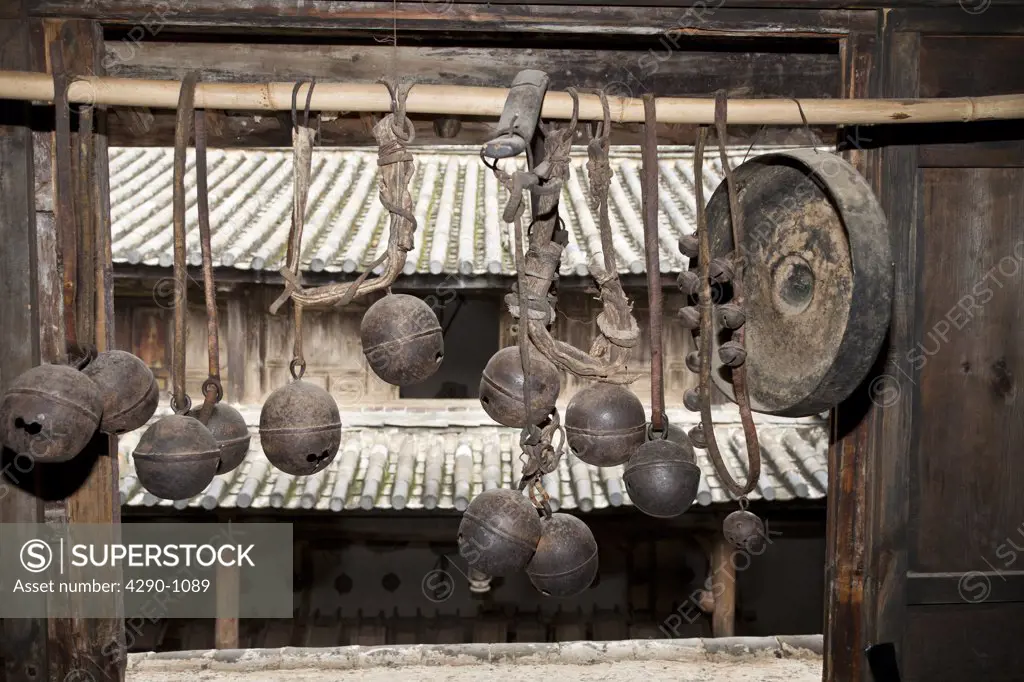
[94, 645]
[643, 66]
[866, 540]
[970, 17]
[651, 66]
[889, 424]
[849, 451]
[326, 17]
[23, 641]
[723, 581]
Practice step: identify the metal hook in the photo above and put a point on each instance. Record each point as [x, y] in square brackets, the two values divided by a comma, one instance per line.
[399, 93]
[807, 126]
[309, 98]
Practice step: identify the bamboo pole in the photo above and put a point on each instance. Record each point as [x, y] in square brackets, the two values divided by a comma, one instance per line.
[458, 100]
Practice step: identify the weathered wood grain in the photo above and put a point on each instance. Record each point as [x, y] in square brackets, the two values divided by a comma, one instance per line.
[643, 66]
[850, 449]
[88, 493]
[971, 146]
[650, 65]
[964, 642]
[891, 423]
[23, 642]
[482, 19]
[970, 362]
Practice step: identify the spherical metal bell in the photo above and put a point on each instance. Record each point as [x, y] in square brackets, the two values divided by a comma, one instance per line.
[499, 532]
[231, 433]
[662, 477]
[605, 424]
[300, 428]
[402, 339]
[501, 388]
[129, 390]
[744, 531]
[176, 458]
[565, 563]
[50, 412]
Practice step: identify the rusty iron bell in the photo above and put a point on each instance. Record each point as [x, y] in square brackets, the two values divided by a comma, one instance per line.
[231, 433]
[605, 424]
[501, 388]
[176, 458]
[129, 390]
[402, 339]
[565, 563]
[662, 476]
[499, 532]
[50, 413]
[744, 531]
[300, 428]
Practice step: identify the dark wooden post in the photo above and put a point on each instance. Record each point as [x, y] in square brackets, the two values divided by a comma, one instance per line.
[226, 623]
[723, 581]
[23, 642]
[85, 645]
[867, 505]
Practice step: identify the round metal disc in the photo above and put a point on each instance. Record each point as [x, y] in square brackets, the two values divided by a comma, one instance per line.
[817, 280]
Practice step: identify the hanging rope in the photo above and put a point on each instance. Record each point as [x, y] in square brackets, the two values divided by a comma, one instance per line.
[393, 133]
[649, 199]
[618, 331]
[739, 374]
[213, 391]
[303, 137]
[534, 441]
[180, 401]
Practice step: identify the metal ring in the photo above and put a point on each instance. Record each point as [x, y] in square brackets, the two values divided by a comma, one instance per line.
[744, 502]
[406, 135]
[215, 384]
[188, 405]
[301, 364]
[663, 431]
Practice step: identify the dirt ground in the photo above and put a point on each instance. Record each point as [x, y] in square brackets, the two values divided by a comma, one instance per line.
[743, 669]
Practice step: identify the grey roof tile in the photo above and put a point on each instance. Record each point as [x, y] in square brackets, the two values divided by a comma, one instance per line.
[457, 203]
[412, 459]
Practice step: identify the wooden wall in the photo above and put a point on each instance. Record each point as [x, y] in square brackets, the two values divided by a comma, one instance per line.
[256, 347]
[361, 582]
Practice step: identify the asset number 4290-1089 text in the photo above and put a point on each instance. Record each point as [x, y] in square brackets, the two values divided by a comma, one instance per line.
[158, 585]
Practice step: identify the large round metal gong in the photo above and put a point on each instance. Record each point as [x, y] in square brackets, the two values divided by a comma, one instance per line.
[817, 282]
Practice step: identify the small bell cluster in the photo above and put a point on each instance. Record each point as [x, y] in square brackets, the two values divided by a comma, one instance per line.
[51, 412]
[728, 317]
[501, 533]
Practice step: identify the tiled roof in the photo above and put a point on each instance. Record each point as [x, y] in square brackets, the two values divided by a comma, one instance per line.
[457, 203]
[438, 458]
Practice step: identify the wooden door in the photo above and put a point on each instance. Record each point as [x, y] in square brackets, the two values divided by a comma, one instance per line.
[965, 552]
[965, 581]
[926, 510]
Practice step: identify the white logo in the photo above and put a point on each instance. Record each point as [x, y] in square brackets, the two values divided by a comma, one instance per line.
[36, 556]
